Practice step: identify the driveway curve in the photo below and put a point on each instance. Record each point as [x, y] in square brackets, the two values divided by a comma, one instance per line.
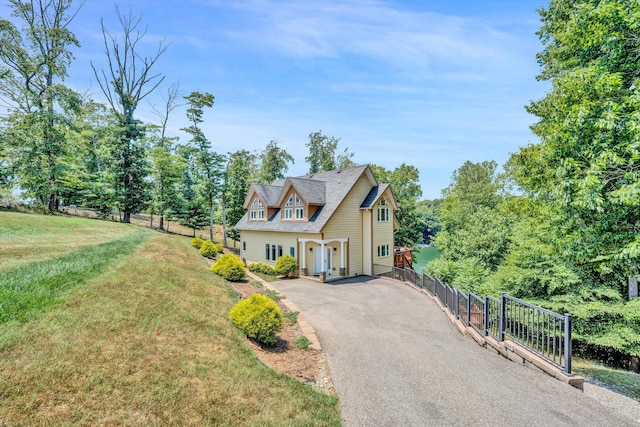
[396, 361]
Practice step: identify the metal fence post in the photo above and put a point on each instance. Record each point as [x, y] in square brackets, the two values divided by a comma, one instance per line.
[567, 344]
[468, 308]
[502, 316]
[486, 315]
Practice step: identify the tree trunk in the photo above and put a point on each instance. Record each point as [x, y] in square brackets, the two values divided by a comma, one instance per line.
[211, 220]
[224, 225]
[161, 227]
[126, 218]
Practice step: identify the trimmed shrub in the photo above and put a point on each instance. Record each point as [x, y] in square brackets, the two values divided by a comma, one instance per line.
[262, 268]
[302, 343]
[219, 247]
[230, 267]
[208, 249]
[196, 242]
[258, 317]
[286, 265]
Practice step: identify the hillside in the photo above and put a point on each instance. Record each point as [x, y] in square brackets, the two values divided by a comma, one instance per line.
[123, 326]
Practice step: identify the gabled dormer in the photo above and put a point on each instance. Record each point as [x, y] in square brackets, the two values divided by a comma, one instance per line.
[295, 208]
[256, 209]
[260, 202]
[301, 199]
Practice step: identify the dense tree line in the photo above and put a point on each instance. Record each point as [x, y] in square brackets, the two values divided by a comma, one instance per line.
[62, 148]
[569, 235]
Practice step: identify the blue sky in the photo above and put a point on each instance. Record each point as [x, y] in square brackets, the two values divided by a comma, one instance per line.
[428, 83]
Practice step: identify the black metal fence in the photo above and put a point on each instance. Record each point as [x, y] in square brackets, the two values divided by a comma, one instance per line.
[543, 332]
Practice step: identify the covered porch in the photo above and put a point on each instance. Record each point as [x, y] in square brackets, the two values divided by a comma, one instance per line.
[324, 260]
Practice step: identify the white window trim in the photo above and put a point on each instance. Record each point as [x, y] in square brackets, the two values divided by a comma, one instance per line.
[383, 211]
[273, 251]
[384, 251]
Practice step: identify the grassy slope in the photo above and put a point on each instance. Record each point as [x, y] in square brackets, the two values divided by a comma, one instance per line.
[146, 341]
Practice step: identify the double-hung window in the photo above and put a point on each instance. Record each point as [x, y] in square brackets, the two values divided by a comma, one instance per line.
[383, 251]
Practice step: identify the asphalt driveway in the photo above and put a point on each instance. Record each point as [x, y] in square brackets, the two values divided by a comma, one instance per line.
[397, 361]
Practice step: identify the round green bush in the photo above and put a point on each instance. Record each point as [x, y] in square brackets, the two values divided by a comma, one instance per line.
[219, 247]
[208, 249]
[196, 242]
[258, 317]
[262, 268]
[286, 265]
[230, 267]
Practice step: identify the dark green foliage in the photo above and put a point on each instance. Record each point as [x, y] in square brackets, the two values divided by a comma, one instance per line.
[238, 178]
[286, 265]
[197, 242]
[302, 343]
[229, 267]
[208, 249]
[209, 172]
[274, 295]
[258, 317]
[292, 317]
[126, 82]
[261, 267]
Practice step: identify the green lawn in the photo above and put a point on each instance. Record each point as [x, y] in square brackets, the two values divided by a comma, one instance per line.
[623, 382]
[133, 331]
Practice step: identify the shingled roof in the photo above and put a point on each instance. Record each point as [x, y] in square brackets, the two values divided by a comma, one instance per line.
[327, 189]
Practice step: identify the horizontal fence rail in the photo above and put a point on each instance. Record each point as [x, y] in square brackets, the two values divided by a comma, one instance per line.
[541, 331]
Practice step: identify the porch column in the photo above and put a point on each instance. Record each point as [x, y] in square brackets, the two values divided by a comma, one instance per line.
[342, 268]
[303, 258]
[323, 260]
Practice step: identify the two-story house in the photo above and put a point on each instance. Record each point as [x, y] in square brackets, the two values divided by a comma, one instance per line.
[336, 224]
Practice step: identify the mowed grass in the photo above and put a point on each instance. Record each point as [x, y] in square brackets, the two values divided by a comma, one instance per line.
[622, 382]
[146, 341]
[26, 239]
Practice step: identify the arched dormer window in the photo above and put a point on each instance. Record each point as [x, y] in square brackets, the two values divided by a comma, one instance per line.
[383, 210]
[299, 208]
[257, 210]
[294, 208]
[288, 208]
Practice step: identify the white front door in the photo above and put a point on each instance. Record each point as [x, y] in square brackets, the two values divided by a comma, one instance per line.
[317, 265]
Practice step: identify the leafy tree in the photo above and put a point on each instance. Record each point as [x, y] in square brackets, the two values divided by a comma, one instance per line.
[85, 178]
[586, 164]
[167, 168]
[210, 164]
[237, 182]
[476, 227]
[274, 163]
[405, 183]
[322, 153]
[193, 210]
[429, 210]
[33, 65]
[127, 81]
